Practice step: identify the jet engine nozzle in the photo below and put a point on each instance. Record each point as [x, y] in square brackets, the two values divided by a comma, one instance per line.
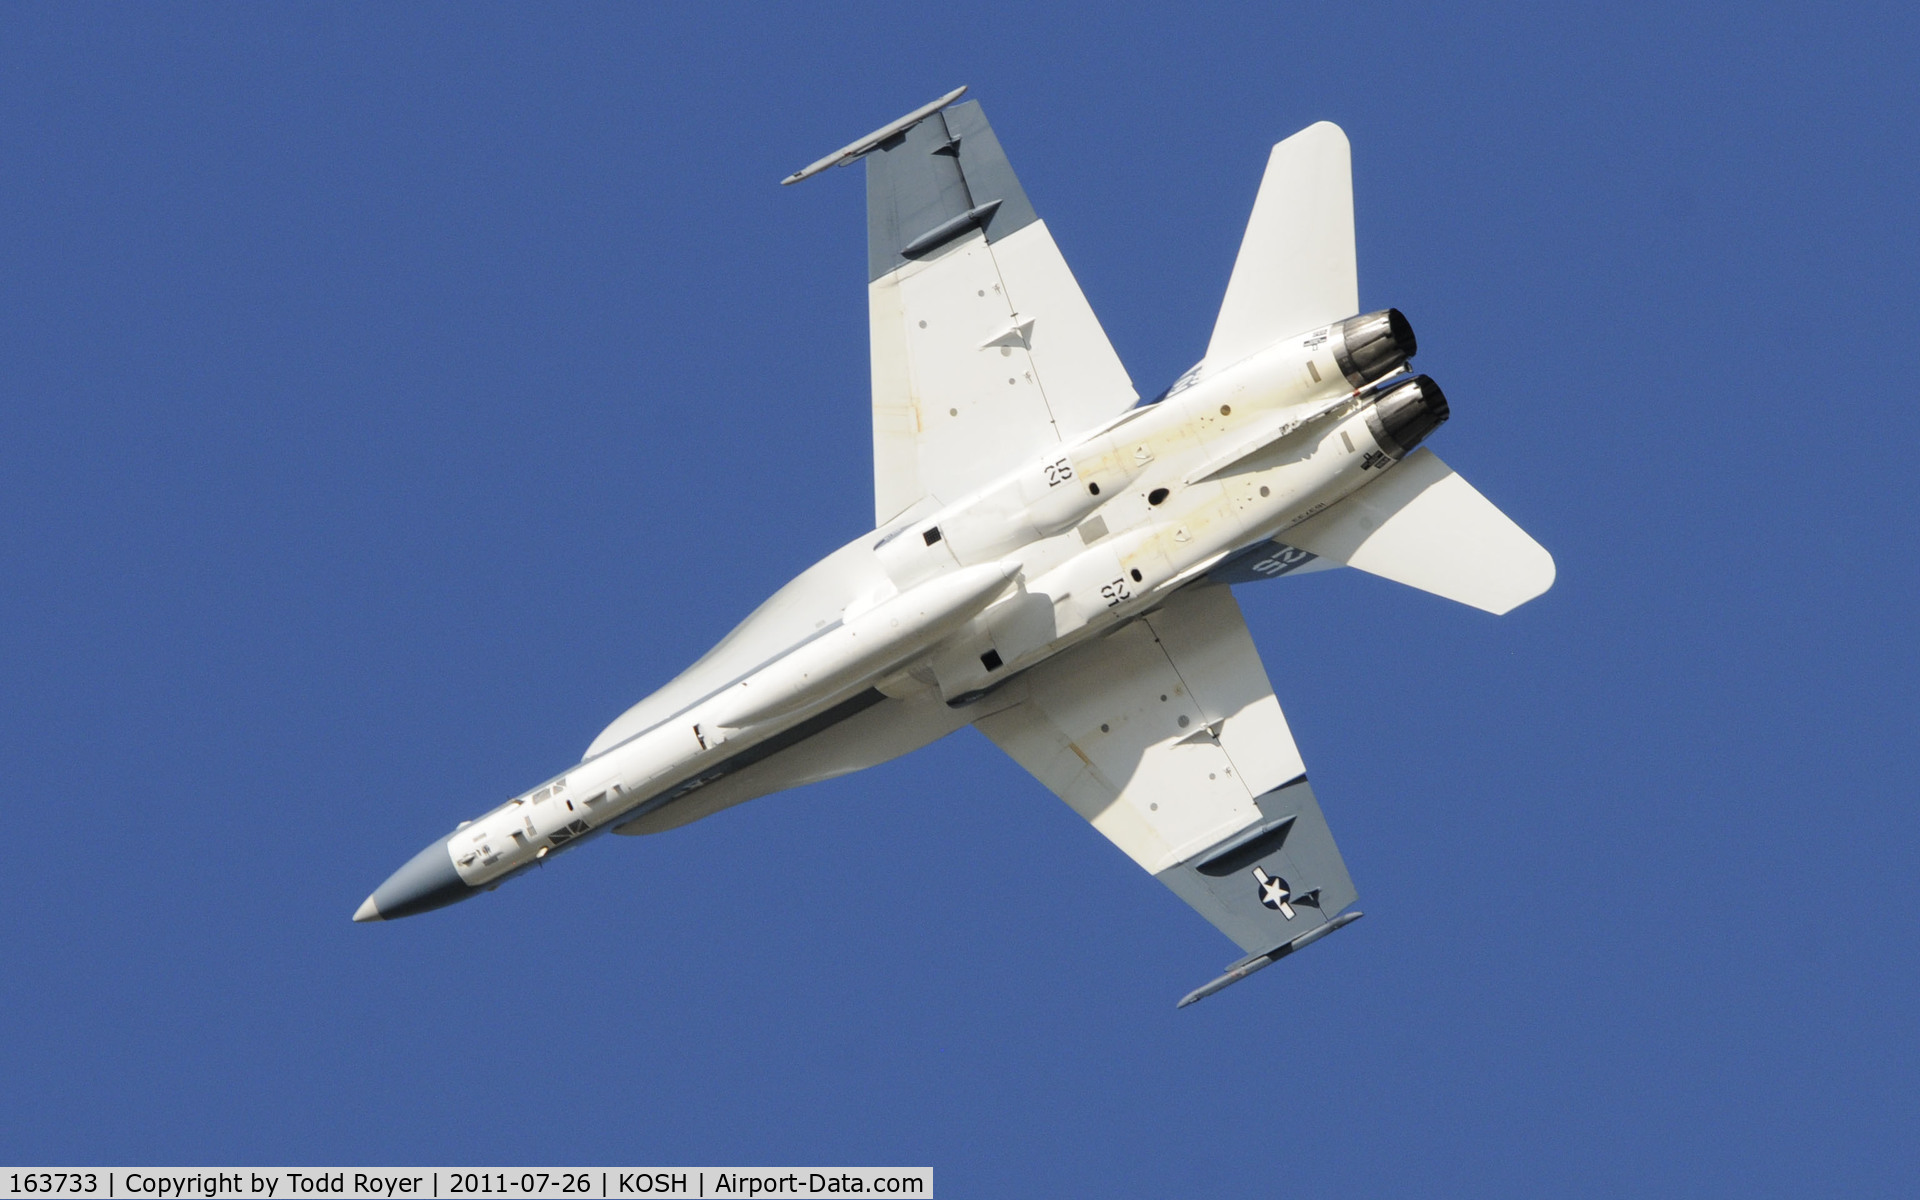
[1373, 345]
[1405, 414]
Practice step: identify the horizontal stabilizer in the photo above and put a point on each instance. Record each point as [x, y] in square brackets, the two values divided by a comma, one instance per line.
[1424, 526]
[1296, 266]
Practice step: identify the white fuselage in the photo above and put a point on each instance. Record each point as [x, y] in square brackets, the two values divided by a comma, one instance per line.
[948, 601]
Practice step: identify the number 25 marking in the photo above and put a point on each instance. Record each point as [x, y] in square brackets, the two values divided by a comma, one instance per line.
[1058, 472]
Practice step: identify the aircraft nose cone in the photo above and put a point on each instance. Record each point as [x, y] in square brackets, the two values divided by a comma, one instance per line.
[427, 882]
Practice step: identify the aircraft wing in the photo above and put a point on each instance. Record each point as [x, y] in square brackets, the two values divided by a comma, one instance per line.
[1165, 735]
[985, 352]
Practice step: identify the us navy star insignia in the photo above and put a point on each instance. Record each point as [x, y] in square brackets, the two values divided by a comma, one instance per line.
[1274, 892]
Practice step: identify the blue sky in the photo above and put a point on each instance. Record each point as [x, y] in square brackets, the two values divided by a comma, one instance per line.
[391, 396]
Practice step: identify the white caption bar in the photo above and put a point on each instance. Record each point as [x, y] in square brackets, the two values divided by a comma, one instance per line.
[458, 1183]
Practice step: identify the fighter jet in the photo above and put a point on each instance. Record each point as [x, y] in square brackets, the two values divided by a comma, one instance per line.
[1053, 561]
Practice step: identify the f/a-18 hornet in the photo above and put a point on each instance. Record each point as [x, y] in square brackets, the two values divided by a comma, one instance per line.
[1052, 560]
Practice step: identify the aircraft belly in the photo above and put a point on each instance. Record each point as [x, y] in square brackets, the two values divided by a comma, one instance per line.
[878, 734]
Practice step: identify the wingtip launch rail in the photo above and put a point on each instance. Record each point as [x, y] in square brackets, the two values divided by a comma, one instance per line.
[1252, 963]
[855, 149]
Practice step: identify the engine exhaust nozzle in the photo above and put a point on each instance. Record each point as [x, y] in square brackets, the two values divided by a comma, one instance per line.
[1406, 413]
[1373, 345]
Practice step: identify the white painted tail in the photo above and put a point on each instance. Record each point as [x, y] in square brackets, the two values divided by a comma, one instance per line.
[1296, 267]
[1424, 526]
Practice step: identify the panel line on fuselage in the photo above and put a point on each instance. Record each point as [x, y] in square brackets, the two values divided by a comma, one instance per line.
[758, 752]
[758, 667]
